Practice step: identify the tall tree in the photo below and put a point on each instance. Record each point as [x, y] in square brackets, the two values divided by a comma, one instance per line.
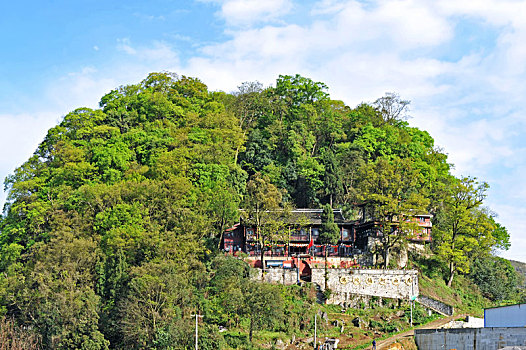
[333, 186]
[329, 231]
[392, 108]
[329, 234]
[264, 211]
[248, 105]
[264, 305]
[464, 227]
[390, 192]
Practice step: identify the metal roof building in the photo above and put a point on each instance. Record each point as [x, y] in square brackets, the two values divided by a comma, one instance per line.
[505, 316]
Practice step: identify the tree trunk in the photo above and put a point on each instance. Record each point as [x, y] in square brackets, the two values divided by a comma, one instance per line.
[452, 264]
[262, 259]
[451, 274]
[326, 269]
[386, 258]
[220, 239]
[251, 328]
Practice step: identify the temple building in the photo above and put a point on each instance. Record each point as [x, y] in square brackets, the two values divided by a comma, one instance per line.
[302, 233]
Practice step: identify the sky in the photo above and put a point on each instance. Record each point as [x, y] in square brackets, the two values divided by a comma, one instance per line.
[462, 64]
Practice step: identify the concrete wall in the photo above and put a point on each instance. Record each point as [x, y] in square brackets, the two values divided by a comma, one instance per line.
[468, 322]
[469, 339]
[506, 316]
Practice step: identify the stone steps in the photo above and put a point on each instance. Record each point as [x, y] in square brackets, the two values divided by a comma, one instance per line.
[435, 305]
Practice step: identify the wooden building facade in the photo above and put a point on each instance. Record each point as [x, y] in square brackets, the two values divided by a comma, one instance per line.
[355, 236]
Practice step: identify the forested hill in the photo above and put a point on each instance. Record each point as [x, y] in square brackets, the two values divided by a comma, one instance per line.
[110, 232]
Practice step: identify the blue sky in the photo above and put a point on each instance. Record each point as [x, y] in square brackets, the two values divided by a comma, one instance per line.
[461, 63]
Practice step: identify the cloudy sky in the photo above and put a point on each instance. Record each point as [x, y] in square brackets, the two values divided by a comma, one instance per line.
[461, 63]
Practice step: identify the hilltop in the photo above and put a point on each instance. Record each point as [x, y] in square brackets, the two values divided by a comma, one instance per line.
[110, 234]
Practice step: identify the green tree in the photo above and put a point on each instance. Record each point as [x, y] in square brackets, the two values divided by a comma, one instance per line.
[55, 294]
[464, 228]
[264, 211]
[390, 193]
[264, 304]
[333, 185]
[329, 234]
[329, 231]
[496, 278]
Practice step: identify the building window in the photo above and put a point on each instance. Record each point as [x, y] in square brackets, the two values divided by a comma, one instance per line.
[251, 235]
[278, 251]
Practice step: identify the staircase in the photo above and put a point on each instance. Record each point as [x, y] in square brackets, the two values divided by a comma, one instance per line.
[436, 305]
[320, 296]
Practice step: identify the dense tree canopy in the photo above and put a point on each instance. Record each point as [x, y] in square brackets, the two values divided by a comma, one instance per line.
[110, 232]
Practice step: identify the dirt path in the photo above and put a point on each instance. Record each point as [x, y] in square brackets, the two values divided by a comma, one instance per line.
[381, 344]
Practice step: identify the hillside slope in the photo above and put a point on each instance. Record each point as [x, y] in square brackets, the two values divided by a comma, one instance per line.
[109, 237]
[520, 267]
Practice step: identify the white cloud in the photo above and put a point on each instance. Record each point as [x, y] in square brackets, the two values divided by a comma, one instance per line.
[159, 53]
[78, 89]
[471, 102]
[248, 12]
[21, 135]
[514, 219]
[361, 50]
[124, 44]
[412, 22]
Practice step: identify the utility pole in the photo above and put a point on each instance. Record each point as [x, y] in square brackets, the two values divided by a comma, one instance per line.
[315, 325]
[411, 312]
[412, 299]
[297, 269]
[196, 335]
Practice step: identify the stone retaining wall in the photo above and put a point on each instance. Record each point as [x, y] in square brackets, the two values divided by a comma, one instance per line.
[277, 275]
[344, 283]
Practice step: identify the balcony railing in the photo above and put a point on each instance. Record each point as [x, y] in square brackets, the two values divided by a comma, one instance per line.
[304, 238]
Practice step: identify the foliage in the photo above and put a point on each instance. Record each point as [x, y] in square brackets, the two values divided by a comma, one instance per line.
[329, 232]
[13, 337]
[496, 278]
[110, 234]
[465, 228]
[263, 210]
[391, 193]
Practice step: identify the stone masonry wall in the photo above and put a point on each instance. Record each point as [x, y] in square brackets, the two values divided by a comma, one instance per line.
[344, 283]
[277, 275]
[470, 339]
